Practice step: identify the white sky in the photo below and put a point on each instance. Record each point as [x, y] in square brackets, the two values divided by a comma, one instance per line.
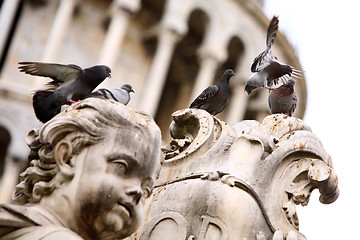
[326, 36]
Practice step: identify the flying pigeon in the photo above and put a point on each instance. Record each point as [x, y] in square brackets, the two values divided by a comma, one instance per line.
[69, 83]
[266, 68]
[283, 99]
[214, 98]
[121, 94]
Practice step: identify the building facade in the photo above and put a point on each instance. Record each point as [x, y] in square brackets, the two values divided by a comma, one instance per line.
[168, 50]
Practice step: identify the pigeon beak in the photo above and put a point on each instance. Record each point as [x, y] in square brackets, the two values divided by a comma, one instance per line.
[109, 75]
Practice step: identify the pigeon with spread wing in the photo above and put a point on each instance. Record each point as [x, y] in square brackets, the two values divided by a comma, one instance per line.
[69, 83]
[267, 69]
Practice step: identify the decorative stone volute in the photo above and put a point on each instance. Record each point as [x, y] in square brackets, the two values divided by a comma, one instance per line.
[236, 182]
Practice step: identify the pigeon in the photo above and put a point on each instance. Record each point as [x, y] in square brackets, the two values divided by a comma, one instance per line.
[214, 98]
[69, 83]
[267, 69]
[121, 94]
[283, 99]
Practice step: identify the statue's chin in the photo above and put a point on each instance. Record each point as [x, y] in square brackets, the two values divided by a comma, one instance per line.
[116, 222]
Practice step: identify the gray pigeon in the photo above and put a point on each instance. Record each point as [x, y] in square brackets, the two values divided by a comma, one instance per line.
[69, 83]
[214, 98]
[266, 68]
[283, 99]
[121, 94]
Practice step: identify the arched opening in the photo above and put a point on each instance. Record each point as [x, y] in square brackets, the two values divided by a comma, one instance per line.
[151, 12]
[183, 69]
[5, 140]
[254, 109]
[235, 51]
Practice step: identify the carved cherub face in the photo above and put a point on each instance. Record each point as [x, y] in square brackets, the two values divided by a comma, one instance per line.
[114, 179]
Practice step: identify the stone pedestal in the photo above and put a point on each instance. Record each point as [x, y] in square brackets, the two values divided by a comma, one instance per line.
[236, 182]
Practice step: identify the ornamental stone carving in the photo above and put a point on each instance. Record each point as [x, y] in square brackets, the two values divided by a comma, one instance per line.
[94, 165]
[236, 182]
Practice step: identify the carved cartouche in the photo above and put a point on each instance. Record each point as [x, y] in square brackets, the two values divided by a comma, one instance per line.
[236, 182]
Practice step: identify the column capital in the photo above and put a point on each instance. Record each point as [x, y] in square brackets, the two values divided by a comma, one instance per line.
[130, 6]
[175, 22]
[162, 31]
[216, 52]
[169, 32]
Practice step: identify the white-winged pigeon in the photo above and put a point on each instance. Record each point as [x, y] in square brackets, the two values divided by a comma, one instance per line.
[69, 83]
[266, 68]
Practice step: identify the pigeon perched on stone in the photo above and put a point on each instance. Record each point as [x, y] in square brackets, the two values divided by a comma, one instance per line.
[69, 83]
[266, 68]
[121, 94]
[214, 98]
[283, 99]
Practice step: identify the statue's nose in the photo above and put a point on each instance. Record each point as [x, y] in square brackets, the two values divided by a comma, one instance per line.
[135, 194]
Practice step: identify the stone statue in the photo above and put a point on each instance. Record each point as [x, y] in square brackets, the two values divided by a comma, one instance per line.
[236, 182]
[91, 168]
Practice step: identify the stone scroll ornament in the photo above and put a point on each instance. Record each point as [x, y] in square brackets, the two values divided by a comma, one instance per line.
[236, 182]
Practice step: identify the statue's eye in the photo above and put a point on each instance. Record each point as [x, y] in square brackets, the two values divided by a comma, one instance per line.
[120, 165]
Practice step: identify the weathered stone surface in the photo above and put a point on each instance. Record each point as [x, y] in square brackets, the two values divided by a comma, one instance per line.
[91, 168]
[236, 182]
[93, 165]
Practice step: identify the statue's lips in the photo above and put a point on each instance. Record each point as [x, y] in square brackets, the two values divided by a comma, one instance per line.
[124, 210]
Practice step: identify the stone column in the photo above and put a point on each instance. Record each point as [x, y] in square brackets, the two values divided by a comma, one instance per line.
[58, 30]
[157, 74]
[7, 13]
[56, 35]
[238, 102]
[209, 63]
[121, 11]
[9, 179]
[211, 53]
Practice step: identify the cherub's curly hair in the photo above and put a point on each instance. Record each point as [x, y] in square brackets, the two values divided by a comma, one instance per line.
[82, 124]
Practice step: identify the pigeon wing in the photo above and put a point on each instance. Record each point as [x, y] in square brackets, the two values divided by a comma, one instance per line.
[59, 73]
[269, 99]
[262, 61]
[264, 58]
[295, 101]
[271, 32]
[116, 94]
[207, 94]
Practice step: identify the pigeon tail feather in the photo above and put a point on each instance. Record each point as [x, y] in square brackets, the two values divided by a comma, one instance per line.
[43, 109]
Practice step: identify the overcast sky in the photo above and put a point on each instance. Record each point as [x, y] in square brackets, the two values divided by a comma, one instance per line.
[326, 36]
